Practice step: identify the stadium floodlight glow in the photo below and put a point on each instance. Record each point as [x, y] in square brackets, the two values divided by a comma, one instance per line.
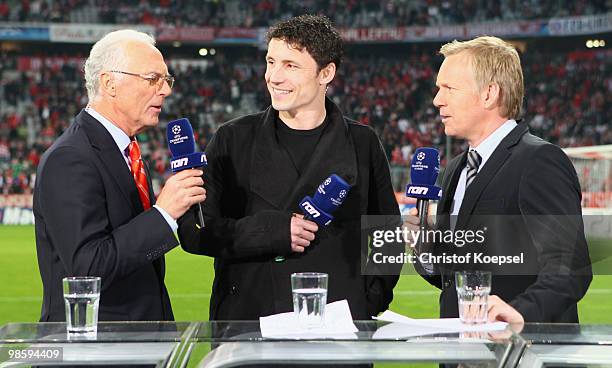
[203, 52]
[602, 43]
[176, 44]
[213, 51]
[589, 44]
[596, 43]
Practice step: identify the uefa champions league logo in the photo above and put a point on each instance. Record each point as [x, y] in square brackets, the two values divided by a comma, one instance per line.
[176, 129]
[322, 186]
[421, 156]
[342, 194]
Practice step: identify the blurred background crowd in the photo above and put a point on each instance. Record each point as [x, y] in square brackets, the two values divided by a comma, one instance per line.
[263, 13]
[390, 88]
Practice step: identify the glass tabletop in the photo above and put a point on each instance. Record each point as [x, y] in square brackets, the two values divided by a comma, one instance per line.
[249, 331]
[233, 331]
[233, 342]
[241, 342]
[107, 332]
[567, 333]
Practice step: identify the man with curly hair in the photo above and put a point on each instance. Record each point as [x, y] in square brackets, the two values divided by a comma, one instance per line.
[262, 165]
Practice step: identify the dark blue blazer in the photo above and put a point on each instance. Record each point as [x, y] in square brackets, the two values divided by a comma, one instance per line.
[90, 221]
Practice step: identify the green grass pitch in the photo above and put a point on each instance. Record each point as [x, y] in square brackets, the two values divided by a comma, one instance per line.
[189, 280]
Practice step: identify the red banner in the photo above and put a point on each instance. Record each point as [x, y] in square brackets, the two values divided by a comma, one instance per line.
[250, 33]
[186, 34]
[26, 63]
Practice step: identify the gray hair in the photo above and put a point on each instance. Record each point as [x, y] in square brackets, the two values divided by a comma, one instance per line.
[106, 55]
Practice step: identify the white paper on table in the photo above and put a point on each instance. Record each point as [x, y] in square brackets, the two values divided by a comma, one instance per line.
[338, 324]
[403, 326]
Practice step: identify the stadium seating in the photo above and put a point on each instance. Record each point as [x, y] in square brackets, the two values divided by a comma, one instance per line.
[262, 13]
[392, 94]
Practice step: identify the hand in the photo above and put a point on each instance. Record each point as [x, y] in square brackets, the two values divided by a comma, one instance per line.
[498, 310]
[302, 233]
[182, 190]
[412, 222]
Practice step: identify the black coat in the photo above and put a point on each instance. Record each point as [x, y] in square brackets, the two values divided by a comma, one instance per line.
[90, 222]
[527, 197]
[252, 190]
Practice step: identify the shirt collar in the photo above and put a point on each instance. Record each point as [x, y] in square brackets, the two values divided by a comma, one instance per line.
[485, 148]
[121, 139]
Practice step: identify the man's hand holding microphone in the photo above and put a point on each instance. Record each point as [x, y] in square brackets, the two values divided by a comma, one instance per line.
[182, 190]
[302, 233]
[317, 211]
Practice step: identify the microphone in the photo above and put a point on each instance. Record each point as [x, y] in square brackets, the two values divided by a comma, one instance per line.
[182, 146]
[424, 170]
[329, 196]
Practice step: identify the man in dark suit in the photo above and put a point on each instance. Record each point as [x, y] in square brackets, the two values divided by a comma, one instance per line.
[520, 190]
[262, 165]
[94, 206]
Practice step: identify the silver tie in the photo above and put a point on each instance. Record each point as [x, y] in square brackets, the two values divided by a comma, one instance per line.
[473, 163]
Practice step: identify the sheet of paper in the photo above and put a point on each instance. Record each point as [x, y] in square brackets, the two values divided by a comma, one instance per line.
[403, 326]
[338, 324]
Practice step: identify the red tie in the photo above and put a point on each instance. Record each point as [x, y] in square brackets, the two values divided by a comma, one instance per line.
[140, 177]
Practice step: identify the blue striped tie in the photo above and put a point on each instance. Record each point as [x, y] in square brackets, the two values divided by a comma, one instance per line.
[473, 163]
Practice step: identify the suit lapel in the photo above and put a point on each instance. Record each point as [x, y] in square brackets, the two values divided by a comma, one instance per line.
[272, 175]
[275, 179]
[109, 154]
[491, 167]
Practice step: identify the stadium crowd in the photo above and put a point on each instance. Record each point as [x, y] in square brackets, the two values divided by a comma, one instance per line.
[263, 13]
[567, 102]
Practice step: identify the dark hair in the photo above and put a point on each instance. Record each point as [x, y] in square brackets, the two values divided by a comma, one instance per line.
[315, 33]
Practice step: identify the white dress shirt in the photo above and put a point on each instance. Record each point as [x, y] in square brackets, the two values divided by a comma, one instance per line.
[485, 150]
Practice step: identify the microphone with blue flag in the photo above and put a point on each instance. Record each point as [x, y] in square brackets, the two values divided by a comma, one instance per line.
[424, 171]
[330, 195]
[184, 156]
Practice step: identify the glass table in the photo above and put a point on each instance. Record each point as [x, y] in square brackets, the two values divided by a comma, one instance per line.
[566, 344]
[115, 343]
[239, 343]
[234, 343]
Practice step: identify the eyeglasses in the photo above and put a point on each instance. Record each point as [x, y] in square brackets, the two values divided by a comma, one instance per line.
[153, 78]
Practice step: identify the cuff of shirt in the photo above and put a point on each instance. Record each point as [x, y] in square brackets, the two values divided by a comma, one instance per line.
[173, 225]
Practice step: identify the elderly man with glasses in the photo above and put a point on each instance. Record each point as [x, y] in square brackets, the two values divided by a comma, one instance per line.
[95, 210]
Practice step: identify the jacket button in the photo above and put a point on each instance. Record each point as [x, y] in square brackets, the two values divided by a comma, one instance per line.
[233, 290]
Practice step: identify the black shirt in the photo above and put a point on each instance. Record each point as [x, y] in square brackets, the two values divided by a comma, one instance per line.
[299, 144]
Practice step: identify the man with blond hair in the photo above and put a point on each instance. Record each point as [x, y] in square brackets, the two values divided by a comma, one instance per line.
[519, 190]
[95, 210]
